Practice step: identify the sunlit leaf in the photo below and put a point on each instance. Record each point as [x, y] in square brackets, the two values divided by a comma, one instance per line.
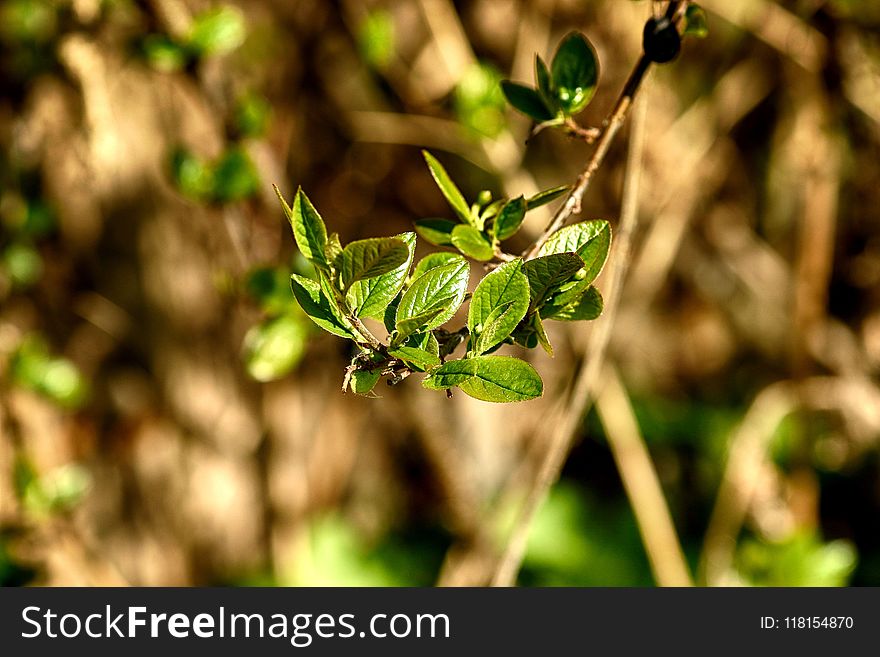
[274, 348]
[450, 192]
[499, 303]
[472, 243]
[526, 100]
[436, 231]
[318, 307]
[433, 298]
[420, 358]
[309, 230]
[369, 258]
[575, 72]
[547, 272]
[510, 218]
[217, 31]
[591, 240]
[488, 378]
[370, 297]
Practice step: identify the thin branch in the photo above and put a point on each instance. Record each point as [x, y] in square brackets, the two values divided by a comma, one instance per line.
[610, 128]
[572, 408]
[642, 484]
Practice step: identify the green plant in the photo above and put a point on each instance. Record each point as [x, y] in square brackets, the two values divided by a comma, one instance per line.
[552, 280]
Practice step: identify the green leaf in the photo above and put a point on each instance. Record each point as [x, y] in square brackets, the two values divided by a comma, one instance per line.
[492, 209]
[547, 196]
[434, 297]
[434, 260]
[510, 218]
[436, 231]
[376, 38]
[421, 359]
[541, 334]
[526, 100]
[275, 347]
[163, 53]
[370, 298]
[447, 187]
[575, 71]
[547, 272]
[423, 320]
[472, 243]
[363, 381]
[309, 230]
[365, 259]
[545, 84]
[217, 31]
[333, 248]
[191, 175]
[591, 240]
[235, 177]
[696, 24]
[588, 307]
[499, 303]
[488, 378]
[321, 310]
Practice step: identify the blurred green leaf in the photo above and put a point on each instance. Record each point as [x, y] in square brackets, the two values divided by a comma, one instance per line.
[217, 31]
[478, 101]
[235, 177]
[191, 175]
[28, 20]
[801, 560]
[376, 39]
[59, 490]
[163, 53]
[575, 72]
[252, 115]
[696, 23]
[23, 263]
[33, 367]
[273, 348]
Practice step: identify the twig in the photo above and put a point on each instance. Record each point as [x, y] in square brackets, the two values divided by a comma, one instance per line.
[610, 127]
[572, 407]
[641, 484]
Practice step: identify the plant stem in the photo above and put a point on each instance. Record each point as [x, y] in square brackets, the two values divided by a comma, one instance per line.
[571, 409]
[611, 126]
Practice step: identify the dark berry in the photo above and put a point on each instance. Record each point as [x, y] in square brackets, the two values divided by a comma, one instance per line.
[661, 40]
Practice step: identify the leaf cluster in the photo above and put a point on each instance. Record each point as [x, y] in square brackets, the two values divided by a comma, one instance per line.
[378, 279]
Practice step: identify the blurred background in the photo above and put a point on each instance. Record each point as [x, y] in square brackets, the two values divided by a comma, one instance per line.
[169, 417]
